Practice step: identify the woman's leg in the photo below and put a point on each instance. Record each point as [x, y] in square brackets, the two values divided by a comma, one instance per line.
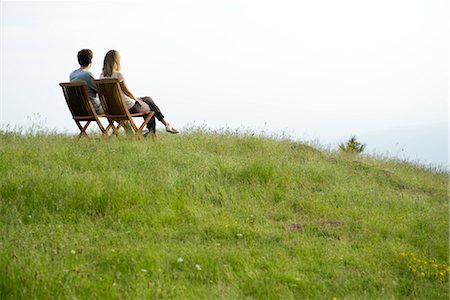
[140, 107]
[153, 107]
[158, 114]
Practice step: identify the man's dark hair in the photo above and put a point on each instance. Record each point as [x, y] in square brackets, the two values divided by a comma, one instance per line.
[85, 57]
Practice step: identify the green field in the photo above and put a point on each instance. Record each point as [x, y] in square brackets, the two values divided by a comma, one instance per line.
[216, 215]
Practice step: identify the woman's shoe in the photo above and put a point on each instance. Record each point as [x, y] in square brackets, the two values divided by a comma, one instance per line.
[171, 129]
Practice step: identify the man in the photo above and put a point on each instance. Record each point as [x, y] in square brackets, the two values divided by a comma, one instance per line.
[83, 74]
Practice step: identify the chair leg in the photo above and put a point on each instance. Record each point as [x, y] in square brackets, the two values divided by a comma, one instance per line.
[137, 131]
[146, 120]
[86, 126]
[114, 128]
[82, 128]
[110, 126]
[100, 125]
[126, 125]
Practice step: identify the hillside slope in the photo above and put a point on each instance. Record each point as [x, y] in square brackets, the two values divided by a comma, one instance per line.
[205, 215]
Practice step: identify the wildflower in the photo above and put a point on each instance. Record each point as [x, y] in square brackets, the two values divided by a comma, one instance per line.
[73, 251]
[426, 267]
[198, 267]
[180, 260]
[226, 226]
[239, 235]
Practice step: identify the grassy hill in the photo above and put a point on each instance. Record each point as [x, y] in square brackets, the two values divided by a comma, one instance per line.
[216, 216]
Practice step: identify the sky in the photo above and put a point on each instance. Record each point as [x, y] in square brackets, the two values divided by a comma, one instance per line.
[320, 70]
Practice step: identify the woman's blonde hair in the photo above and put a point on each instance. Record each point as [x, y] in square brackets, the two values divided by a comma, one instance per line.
[111, 63]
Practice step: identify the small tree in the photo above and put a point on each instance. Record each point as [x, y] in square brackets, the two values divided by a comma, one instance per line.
[352, 146]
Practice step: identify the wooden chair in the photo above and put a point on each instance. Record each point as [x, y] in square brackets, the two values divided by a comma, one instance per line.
[80, 106]
[110, 96]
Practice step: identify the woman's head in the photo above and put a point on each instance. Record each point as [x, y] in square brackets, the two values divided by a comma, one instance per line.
[111, 63]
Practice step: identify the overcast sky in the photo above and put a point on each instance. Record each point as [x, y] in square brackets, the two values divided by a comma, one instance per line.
[320, 69]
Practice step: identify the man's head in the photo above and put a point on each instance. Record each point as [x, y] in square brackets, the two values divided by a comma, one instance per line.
[85, 57]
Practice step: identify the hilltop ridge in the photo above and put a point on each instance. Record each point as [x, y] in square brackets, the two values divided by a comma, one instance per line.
[216, 215]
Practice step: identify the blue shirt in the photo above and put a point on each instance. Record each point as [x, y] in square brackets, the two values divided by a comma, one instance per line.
[86, 76]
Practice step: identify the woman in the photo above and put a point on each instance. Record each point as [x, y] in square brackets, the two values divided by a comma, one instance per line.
[111, 69]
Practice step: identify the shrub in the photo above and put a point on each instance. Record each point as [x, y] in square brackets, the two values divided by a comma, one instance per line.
[352, 146]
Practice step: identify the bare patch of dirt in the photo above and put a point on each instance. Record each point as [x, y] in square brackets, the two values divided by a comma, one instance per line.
[331, 223]
[294, 227]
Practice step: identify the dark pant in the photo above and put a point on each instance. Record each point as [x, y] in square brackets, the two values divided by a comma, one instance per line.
[151, 125]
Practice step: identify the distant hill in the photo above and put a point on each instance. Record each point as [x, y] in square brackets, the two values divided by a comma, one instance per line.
[424, 145]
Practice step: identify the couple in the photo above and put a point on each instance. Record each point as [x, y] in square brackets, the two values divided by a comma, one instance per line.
[111, 69]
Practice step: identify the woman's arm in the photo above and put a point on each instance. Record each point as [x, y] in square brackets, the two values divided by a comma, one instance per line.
[125, 89]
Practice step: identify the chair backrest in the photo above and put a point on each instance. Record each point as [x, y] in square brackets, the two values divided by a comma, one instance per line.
[77, 99]
[110, 96]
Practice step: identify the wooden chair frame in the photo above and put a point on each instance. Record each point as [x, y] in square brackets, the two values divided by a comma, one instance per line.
[112, 101]
[80, 106]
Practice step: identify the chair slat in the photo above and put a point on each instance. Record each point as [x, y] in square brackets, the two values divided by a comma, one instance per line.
[116, 111]
[79, 104]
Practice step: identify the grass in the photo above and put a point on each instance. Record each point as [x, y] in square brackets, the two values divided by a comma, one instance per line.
[216, 216]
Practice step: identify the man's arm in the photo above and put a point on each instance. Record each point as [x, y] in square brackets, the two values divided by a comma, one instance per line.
[91, 82]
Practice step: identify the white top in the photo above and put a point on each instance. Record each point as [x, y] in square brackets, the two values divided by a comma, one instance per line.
[129, 102]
